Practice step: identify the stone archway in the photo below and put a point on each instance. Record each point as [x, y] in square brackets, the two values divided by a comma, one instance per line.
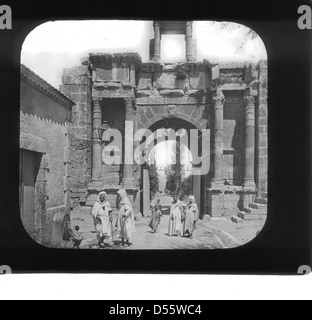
[175, 125]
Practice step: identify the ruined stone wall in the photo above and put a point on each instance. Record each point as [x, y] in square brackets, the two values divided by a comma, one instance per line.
[175, 90]
[76, 87]
[49, 139]
[262, 175]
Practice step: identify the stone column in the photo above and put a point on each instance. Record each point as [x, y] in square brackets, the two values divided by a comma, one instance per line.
[128, 173]
[218, 101]
[189, 40]
[132, 74]
[157, 41]
[146, 192]
[96, 141]
[249, 182]
[197, 191]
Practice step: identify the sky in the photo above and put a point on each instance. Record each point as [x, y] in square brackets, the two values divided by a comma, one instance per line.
[53, 46]
[165, 152]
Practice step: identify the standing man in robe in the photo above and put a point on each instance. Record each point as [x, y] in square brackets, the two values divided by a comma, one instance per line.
[191, 218]
[175, 219]
[102, 215]
[125, 221]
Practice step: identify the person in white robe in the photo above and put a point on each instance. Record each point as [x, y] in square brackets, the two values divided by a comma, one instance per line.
[125, 222]
[102, 215]
[175, 219]
[191, 218]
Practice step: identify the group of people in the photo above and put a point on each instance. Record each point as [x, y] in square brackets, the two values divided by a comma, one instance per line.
[103, 218]
[182, 221]
[183, 218]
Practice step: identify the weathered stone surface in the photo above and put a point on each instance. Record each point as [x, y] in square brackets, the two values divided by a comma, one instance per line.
[197, 113]
[237, 219]
[164, 81]
[250, 216]
[75, 72]
[183, 84]
[145, 81]
[198, 81]
[206, 218]
[70, 89]
[79, 97]
[153, 100]
[75, 80]
[144, 121]
[251, 73]
[149, 113]
[215, 72]
[172, 93]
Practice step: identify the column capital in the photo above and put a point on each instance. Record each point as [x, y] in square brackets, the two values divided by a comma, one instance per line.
[189, 23]
[96, 102]
[218, 99]
[249, 101]
[130, 104]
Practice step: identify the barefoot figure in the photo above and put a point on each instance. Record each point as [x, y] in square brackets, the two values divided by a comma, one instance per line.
[156, 216]
[125, 222]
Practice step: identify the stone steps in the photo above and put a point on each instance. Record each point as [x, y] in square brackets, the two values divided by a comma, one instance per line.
[256, 211]
[251, 216]
[237, 219]
[258, 206]
[261, 201]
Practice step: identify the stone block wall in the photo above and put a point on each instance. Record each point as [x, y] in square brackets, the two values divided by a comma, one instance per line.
[262, 175]
[50, 187]
[76, 86]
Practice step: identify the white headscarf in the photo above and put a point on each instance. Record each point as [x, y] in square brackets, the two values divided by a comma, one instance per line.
[124, 198]
[99, 196]
[193, 203]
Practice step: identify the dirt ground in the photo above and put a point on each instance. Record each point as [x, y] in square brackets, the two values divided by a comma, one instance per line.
[218, 233]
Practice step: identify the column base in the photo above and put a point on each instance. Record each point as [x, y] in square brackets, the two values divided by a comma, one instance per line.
[249, 185]
[216, 198]
[190, 58]
[249, 192]
[156, 58]
[216, 203]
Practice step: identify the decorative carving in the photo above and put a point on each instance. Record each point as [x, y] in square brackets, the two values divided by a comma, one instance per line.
[205, 115]
[129, 104]
[96, 101]
[249, 101]
[218, 99]
[172, 111]
[81, 144]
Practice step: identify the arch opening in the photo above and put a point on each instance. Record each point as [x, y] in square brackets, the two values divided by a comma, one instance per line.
[170, 167]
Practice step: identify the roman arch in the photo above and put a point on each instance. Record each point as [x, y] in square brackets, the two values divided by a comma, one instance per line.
[229, 100]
